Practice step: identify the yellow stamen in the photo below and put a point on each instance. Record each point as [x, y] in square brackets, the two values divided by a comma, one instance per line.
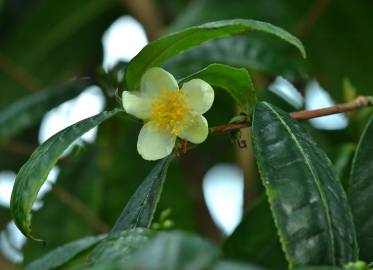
[170, 112]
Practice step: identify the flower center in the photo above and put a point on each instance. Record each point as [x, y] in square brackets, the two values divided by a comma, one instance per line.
[170, 112]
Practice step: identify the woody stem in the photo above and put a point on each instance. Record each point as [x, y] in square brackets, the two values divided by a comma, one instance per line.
[358, 103]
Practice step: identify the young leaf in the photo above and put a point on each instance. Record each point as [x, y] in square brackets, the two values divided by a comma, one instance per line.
[29, 110]
[361, 192]
[62, 255]
[255, 239]
[175, 250]
[236, 81]
[308, 203]
[34, 172]
[157, 52]
[117, 249]
[139, 210]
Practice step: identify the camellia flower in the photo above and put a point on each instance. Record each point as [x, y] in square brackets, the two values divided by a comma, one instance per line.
[168, 112]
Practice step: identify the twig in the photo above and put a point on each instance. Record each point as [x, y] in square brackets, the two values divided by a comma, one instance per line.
[80, 209]
[19, 148]
[18, 74]
[147, 14]
[358, 103]
[314, 13]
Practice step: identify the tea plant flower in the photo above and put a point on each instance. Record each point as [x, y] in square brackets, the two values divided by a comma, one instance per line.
[168, 112]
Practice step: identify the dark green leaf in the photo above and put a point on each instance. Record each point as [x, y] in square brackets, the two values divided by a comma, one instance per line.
[236, 81]
[157, 52]
[34, 172]
[255, 239]
[140, 209]
[64, 254]
[175, 250]
[307, 201]
[118, 249]
[29, 110]
[361, 192]
[268, 56]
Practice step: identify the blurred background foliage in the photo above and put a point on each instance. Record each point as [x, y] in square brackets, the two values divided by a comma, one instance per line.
[44, 43]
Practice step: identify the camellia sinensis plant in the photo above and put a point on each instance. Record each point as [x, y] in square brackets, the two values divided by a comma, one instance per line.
[307, 218]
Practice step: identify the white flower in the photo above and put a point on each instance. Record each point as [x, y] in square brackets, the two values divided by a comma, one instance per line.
[168, 112]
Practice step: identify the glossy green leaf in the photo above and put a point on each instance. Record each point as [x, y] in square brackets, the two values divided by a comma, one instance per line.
[236, 81]
[175, 250]
[140, 209]
[117, 250]
[34, 172]
[361, 192]
[29, 110]
[157, 52]
[255, 239]
[64, 254]
[267, 56]
[308, 203]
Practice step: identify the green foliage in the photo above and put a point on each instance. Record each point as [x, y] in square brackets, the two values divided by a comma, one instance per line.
[140, 209]
[236, 81]
[175, 44]
[64, 254]
[361, 192]
[28, 111]
[308, 203]
[35, 171]
[303, 219]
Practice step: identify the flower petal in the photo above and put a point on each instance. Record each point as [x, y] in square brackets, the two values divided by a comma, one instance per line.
[154, 80]
[153, 144]
[136, 105]
[196, 132]
[199, 94]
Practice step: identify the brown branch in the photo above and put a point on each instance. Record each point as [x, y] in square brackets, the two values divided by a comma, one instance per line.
[19, 148]
[358, 103]
[18, 74]
[146, 12]
[6, 265]
[80, 209]
[318, 8]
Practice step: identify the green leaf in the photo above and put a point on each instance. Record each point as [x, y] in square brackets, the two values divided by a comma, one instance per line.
[361, 192]
[255, 239]
[117, 249]
[175, 250]
[236, 81]
[64, 254]
[308, 203]
[29, 110]
[140, 209]
[34, 172]
[266, 56]
[157, 52]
